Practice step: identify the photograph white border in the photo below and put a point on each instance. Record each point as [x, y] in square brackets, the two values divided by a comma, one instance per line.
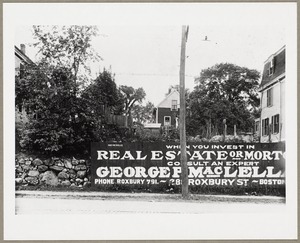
[280, 225]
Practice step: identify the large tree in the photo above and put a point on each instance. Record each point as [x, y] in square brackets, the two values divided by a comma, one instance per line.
[68, 47]
[102, 92]
[100, 98]
[131, 97]
[51, 105]
[224, 91]
[51, 90]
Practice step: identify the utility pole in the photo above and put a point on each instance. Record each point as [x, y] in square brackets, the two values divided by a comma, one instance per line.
[183, 156]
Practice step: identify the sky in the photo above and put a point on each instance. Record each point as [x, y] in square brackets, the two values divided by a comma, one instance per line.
[148, 56]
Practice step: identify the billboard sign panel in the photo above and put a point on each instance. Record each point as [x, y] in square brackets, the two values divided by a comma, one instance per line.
[214, 164]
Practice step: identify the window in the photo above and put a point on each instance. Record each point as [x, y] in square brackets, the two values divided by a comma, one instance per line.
[167, 121]
[271, 68]
[275, 124]
[265, 127]
[270, 97]
[174, 104]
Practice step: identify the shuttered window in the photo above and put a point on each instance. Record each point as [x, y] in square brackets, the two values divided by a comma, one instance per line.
[275, 124]
[270, 97]
[265, 127]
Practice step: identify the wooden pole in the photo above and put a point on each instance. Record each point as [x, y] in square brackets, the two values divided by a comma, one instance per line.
[183, 156]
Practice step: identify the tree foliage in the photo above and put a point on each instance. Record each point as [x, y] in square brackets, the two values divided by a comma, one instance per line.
[63, 114]
[60, 121]
[130, 97]
[224, 91]
[103, 92]
[68, 47]
[50, 105]
[50, 91]
[100, 98]
[143, 113]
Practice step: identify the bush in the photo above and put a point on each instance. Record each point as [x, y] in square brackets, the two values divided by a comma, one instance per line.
[146, 135]
[21, 121]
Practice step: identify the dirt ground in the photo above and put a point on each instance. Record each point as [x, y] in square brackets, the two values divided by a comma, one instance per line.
[116, 196]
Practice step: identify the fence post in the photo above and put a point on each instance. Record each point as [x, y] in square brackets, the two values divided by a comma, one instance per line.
[225, 129]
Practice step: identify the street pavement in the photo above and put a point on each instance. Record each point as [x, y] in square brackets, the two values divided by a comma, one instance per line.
[46, 202]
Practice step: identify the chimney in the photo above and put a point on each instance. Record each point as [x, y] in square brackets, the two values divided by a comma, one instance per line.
[23, 48]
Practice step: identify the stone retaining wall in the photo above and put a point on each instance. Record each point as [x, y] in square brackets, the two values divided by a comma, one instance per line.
[68, 172]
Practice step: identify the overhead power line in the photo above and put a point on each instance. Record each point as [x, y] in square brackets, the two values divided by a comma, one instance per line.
[153, 74]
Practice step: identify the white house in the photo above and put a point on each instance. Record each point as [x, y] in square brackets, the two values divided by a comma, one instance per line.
[272, 89]
[21, 60]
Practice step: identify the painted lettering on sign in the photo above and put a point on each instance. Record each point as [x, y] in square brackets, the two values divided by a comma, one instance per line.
[208, 164]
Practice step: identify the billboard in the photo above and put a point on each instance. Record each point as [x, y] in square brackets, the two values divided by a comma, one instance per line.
[214, 164]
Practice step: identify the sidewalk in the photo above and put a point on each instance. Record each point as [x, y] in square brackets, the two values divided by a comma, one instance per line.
[148, 197]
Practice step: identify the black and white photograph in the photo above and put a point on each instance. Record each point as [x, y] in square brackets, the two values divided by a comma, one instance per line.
[150, 121]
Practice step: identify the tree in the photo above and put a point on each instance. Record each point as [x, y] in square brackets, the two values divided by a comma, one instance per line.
[143, 113]
[68, 47]
[224, 91]
[60, 121]
[51, 90]
[50, 105]
[51, 126]
[131, 96]
[101, 92]
[100, 98]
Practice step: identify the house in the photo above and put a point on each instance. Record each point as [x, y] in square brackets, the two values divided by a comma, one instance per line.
[272, 90]
[21, 60]
[167, 111]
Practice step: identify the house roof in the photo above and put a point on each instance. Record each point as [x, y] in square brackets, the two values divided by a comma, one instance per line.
[22, 56]
[167, 97]
[279, 68]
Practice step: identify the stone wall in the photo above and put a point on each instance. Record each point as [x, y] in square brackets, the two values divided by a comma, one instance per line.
[67, 172]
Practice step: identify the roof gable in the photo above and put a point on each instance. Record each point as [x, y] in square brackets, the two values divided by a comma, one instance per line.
[279, 67]
[22, 56]
[167, 101]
